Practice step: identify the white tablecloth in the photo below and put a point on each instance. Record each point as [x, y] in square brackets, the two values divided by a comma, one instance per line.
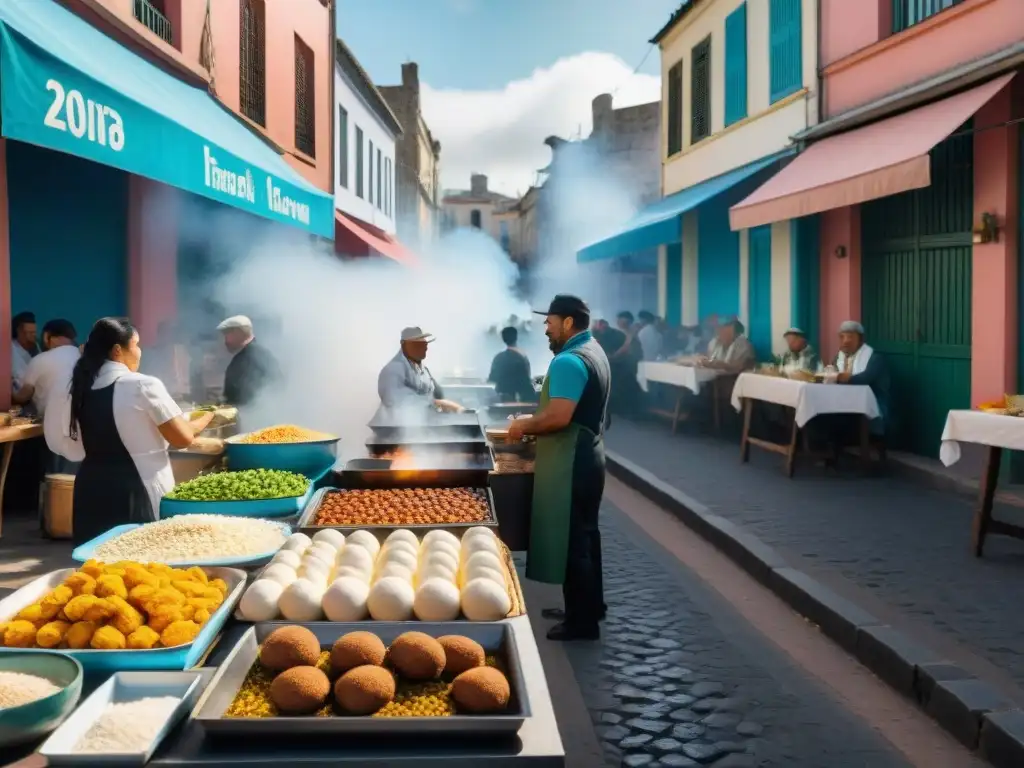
[685, 376]
[982, 428]
[809, 400]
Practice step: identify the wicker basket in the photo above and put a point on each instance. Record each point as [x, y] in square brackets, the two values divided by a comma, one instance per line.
[57, 502]
[509, 464]
[515, 589]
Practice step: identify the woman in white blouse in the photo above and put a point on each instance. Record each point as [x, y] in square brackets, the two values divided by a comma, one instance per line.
[120, 425]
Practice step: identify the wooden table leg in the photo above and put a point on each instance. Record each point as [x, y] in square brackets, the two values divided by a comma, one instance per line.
[5, 464]
[865, 444]
[677, 412]
[983, 514]
[791, 452]
[748, 407]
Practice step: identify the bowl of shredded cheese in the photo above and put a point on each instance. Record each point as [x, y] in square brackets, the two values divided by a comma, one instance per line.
[37, 692]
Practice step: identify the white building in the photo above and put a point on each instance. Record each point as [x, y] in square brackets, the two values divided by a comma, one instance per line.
[366, 131]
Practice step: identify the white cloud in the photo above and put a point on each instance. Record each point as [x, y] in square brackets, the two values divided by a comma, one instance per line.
[501, 132]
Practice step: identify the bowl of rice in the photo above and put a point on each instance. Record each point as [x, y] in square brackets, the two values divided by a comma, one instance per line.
[37, 692]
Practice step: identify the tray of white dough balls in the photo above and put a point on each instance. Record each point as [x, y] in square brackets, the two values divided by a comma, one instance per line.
[396, 576]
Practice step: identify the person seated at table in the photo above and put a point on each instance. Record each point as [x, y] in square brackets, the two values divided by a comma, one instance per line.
[649, 336]
[799, 353]
[731, 352]
[859, 364]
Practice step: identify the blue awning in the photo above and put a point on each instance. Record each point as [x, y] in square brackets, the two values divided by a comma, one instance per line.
[65, 85]
[661, 223]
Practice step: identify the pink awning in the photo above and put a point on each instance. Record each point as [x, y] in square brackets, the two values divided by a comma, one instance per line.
[878, 160]
[380, 242]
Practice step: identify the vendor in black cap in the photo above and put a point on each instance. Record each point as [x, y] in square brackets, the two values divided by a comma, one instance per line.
[565, 544]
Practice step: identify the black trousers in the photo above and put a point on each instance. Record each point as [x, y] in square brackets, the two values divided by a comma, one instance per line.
[583, 589]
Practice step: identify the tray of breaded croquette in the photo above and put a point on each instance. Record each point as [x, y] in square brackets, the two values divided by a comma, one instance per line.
[379, 680]
[122, 616]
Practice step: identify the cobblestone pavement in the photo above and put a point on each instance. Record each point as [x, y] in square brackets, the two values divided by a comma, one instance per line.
[894, 540]
[679, 680]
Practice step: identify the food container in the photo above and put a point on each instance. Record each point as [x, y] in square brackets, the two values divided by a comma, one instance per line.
[497, 638]
[92, 660]
[287, 506]
[306, 523]
[311, 459]
[442, 471]
[87, 551]
[122, 687]
[37, 718]
[513, 586]
[433, 426]
[57, 503]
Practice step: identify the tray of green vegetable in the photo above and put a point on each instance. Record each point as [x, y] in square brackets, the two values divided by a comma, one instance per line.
[247, 493]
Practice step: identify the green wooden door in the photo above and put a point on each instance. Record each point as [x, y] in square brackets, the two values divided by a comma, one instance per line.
[916, 295]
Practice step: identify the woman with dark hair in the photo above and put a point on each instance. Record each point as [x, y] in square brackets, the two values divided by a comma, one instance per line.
[120, 424]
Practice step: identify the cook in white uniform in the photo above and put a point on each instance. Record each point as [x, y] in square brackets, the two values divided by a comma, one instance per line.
[120, 424]
[47, 378]
[406, 383]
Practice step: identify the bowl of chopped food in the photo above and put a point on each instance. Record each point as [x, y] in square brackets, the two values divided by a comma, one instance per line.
[245, 493]
[286, 447]
[37, 691]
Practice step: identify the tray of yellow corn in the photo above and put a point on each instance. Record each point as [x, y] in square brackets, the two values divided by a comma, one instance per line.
[115, 628]
[285, 447]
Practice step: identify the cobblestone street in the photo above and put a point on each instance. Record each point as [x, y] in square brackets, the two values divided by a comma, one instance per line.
[680, 680]
[885, 542]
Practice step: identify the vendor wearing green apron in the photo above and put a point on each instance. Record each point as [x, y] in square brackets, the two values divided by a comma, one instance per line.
[565, 544]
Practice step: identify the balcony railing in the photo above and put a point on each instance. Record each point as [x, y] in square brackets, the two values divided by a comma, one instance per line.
[907, 13]
[151, 17]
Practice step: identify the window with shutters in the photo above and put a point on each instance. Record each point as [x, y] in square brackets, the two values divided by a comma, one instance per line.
[736, 65]
[675, 108]
[700, 91]
[387, 187]
[380, 180]
[252, 64]
[343, 147]
[305, 107]
[785, 48]
[907, 13]
[474, 218]
[369, 173]
[359, 161]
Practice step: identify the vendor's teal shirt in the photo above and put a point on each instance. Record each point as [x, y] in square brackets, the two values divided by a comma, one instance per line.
[567, 375]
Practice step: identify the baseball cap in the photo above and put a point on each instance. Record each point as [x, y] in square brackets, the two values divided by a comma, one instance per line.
[566, 305]
[237, 322]
[415, 333]
[794, 332]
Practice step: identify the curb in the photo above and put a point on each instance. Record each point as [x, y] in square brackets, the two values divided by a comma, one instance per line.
[974, 712]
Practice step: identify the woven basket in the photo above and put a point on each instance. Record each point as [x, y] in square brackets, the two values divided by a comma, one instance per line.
[515, 589]
[513, 465]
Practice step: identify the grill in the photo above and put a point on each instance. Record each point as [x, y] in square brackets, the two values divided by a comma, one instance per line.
[252, 75]
[305, 111]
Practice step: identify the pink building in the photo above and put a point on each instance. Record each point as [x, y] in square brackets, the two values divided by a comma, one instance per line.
[914, 174]
[227, 101]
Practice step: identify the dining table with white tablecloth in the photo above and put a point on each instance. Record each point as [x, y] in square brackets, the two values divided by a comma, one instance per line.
[807, 399]
[997, 432]
[685, 376]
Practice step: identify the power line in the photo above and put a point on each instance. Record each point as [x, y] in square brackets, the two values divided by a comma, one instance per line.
[636, 69]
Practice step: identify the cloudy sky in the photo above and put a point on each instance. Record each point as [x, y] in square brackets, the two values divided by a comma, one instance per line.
[499, 77]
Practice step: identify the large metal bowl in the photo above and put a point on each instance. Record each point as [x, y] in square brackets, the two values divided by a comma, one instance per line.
[37, 718]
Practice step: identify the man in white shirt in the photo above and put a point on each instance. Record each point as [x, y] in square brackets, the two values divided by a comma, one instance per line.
[649, 336]
[23, 348]
[47, 378]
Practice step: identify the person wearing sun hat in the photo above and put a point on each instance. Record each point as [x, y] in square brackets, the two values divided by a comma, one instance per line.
[799, 353]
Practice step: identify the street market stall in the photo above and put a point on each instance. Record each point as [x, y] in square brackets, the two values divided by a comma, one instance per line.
[385, 548]
[997, 426]
[807, 399]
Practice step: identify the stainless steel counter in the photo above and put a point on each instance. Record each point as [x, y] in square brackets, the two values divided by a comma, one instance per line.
[538, 743]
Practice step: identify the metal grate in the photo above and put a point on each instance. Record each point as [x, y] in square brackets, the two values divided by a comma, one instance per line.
[305, 106]
[151, 16]
[907, 13]
[700, 92]
[252, 71]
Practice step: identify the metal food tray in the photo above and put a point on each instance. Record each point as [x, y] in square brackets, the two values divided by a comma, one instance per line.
[87, 551]
[92, 660]
[121, 688]
[426, 444]
[432, 427]
[305, 522]
[283, 506]
[496, 638]
[449, 471]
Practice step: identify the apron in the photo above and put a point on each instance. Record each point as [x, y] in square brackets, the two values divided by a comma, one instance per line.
[570, 460]
[108, 488]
